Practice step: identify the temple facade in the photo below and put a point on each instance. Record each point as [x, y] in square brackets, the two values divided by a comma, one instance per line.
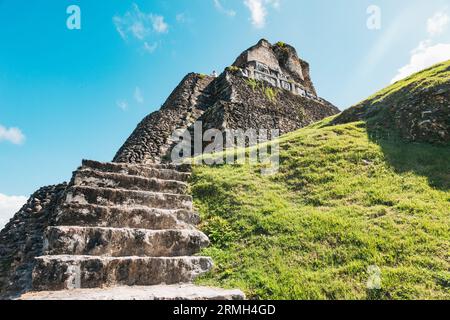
[278, 65]
[276, 78]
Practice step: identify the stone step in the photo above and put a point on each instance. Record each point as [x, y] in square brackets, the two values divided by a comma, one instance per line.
[122, 197]
[88, 215]
[183, 292]
[159, 171]
[98, 165]
[95, 178]
[81, 272]
[114, 242]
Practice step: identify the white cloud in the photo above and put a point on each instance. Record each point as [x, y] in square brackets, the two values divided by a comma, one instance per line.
[181, 17]
[158, 24]
[138, 95]
[258, 10]
[150, 47]
[122, 104]
[437, 24]
[138, 25]
[426, 53]
[184, 18]
[13, 135]
[274, 3]
[138, 30]
[424, 56]
[221, 8]
[9, 205]
[119, 27]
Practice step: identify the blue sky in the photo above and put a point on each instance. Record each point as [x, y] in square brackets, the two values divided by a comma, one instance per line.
[67, 94]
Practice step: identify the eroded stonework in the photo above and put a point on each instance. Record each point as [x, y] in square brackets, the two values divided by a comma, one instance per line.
[131, 222]
[243, 106]
[268, 87]
[415, 114]
[278, 64]
[152, 137]
[22, 240]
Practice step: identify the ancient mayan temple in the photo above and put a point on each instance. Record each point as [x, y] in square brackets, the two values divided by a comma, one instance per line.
[126, 229]
[233, 101]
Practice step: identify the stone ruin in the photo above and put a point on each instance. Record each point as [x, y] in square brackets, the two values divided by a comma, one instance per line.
[126, 229]
[279, 66]
[231, 102]
[259, 71]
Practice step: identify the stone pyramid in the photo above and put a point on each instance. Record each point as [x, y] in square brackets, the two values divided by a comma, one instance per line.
[126, 229]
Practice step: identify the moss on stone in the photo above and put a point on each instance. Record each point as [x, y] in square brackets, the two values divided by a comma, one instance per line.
[271, 93]
[254, 84]
[233, 69]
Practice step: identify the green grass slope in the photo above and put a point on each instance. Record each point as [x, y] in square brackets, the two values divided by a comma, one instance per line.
[416, 108]
[341, 203]
[432, 77]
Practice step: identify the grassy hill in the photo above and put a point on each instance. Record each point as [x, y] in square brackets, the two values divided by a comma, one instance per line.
[416, 108]
[342, 203]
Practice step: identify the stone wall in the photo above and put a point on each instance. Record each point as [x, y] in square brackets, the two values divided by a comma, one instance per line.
[259, 71]
[251, 107]
[242, 105]
[22, 240]
[151, 139]
[261, 52]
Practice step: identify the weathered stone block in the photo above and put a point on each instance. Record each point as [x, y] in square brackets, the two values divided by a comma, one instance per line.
[95, 178]
[116, 197]
[162, 292]
[88, 215]
[123, 242]
[72, 272]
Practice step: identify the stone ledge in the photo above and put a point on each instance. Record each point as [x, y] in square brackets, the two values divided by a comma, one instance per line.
[145, 170]
[52, 273]
[123, 242]
[124, 166]
[124, 197]
[172, 292]
[88, 215]
[95, 178]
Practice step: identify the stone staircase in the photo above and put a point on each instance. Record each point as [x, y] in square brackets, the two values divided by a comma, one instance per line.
[123, 225]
